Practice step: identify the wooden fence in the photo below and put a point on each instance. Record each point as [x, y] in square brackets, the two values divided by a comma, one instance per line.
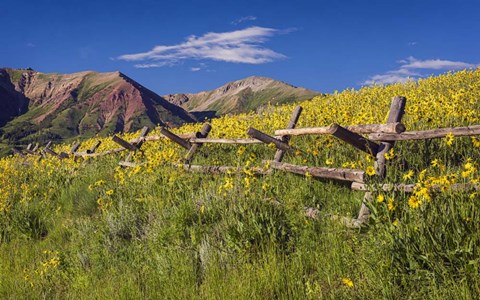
[374, 139]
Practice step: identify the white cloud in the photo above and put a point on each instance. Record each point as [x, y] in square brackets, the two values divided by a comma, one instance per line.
[412, 43]
[436, 64]
[240, 46]
[31, 45]
[244, 19]
[147, 66]
[409, 67]
[195, 69]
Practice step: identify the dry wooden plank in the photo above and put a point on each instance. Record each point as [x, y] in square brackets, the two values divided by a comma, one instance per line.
[63, 155]
[286, 138]
[202, 134]
[144, 131]
[225, 141]
[355, 139]
[142, 138]
[268, 139]
[387, 187]
[51, 152]
[123, 143]
[74, 148]
[328, 173]
[129, 164]
[29, 151]
[48, 145]
[362, 129]
[94, 147]
[410, 188]
[175, 138]
[397, 110]
[85, 154]
[129, 156]
[427, 134]
[222, 169]
[185, 136]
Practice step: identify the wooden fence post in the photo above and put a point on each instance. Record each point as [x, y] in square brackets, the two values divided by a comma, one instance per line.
[74, 148]
[397, 110]
[268, 139]
[175, 138]
[355, 139]
[286, 138]
[130, 146]
[124, 143]
[94, 147]
[202, 134]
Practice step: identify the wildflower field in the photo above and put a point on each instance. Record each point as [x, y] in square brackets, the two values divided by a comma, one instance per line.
[87, 228]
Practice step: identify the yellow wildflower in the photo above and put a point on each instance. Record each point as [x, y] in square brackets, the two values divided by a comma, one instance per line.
[241, 150]
[347, 282]
[329, 161]
[100, 182]
[449, 139]
[380, 198]
[475, 142]
[435, 163]
[389, 155]
[390, 204]
[408, 175]
[370, 171]
[414, 202]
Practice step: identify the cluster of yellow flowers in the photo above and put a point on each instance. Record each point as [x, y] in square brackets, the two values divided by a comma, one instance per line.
[45, 270]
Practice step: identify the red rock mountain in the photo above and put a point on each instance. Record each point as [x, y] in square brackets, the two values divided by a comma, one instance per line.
[35, 105]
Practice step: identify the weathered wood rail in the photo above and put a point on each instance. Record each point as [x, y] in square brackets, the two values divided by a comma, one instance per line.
[426, 134]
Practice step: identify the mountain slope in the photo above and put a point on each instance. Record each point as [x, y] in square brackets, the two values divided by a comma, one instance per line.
[241, 96]
[36, 106]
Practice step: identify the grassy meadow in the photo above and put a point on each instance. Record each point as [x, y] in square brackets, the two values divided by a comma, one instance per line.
[89, 229]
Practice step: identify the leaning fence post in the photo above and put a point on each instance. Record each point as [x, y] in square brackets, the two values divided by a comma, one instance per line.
[397, 110]
[202, 134]
[355, 139]
[175, 138]
[74, 148]
[94, 147]
[138, 143]
[131, 146]
[257, 134]
[286, 138]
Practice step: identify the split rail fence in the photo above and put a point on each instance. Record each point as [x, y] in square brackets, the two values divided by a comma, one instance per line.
[374, 139]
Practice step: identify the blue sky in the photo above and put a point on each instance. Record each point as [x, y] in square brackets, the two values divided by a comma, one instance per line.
[190, 46]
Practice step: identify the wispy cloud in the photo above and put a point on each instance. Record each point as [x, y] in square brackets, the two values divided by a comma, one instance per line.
[147, 66]
[435, 64]
[240, 46]
[412, 43]
[410, 70]
[195, 69]
[31, 45]
[244, 19]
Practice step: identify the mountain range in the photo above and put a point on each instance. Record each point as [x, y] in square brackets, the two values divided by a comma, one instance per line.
[36, 107]
[241, 96]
